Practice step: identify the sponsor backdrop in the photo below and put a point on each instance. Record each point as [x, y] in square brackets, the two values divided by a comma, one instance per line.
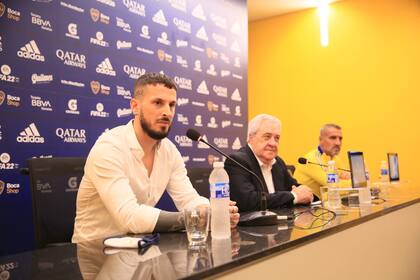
[67, 69]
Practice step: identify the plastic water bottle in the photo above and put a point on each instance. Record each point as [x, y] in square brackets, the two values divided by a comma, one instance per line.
[384, 172]
[367, 175]
[334, 200]
[219, 202]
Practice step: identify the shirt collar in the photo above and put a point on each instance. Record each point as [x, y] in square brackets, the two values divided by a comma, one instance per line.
[133, 142]
[260, 162]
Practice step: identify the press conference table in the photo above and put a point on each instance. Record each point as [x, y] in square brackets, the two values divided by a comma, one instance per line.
[378, 241]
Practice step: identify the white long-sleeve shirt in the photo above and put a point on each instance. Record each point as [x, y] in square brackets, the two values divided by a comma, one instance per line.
[116, 195]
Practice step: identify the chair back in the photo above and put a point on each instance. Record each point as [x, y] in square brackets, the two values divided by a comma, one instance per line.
[199, 178]
[54, 186]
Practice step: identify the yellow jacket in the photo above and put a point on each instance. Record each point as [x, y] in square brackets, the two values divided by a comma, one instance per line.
[315, 176]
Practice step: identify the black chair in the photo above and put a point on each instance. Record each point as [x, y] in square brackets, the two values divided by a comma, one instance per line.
[199, 178]
[54, 186]
[291, 169]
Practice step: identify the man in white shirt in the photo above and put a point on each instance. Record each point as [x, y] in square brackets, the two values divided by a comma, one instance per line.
[260, 156]
[130, 167]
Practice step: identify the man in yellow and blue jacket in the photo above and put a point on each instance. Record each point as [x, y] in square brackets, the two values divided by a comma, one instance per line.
[315, 176]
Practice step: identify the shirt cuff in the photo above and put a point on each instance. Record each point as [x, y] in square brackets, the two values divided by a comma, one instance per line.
[294, 197]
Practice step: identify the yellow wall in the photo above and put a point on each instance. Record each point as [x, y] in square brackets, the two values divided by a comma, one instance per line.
[367, 79]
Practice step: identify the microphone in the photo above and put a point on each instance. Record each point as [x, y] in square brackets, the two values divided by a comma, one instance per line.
[303, 160]
[254, 218]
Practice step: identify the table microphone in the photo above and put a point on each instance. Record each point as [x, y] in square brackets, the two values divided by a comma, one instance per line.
[254, 218]
[302, 160]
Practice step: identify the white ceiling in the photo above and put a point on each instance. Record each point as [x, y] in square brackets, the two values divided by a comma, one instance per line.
[260, 9]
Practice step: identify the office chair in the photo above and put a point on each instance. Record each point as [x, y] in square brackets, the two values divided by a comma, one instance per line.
[54, 185]
[199, 178]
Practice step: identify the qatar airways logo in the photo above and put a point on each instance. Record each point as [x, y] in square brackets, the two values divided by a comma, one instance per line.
[220, 91]
[179, 4]
[135, 7]
[71, 135]
[71, 58]
[183, 83]
[182, 25]
[183, 141]
[133, 72]
[221, 142]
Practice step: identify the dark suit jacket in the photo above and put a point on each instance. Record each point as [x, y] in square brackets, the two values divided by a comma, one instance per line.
[244, 186]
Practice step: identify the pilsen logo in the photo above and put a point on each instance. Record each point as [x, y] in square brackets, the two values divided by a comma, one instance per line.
[2, 9]
[95, 86]
[1, 183]
[2, 97]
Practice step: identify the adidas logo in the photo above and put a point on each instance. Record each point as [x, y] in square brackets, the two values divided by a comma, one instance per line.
[31, 51]
[159, 17]
[236, 144]
[30, 135]
[201, 34]
[202, 88]
[235, 46]
[105, 68]
[198, 12]
[236, 96]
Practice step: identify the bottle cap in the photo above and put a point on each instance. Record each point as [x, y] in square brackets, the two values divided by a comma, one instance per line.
[218, 164]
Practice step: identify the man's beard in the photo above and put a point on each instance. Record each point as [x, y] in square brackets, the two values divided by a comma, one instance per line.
[157, 135]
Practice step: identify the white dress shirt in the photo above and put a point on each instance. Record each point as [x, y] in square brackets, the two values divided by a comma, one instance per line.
[116, 195]
[268, 176]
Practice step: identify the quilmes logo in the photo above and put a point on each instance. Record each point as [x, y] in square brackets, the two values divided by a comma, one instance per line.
[124, 45]
[71, 58]
[183, 141]
[183, 82]
[182, 25]
[182, 101]
[145, 32]
[202, 88]
[44, 105]
[198, 12]
[224, 73]
[105, 68]
[72, 107]
[96, 16]
[5, 76]
[123, 92]
[99, 40]
[41, 79]
[123, 25]
[236, 96]
[159, 18]
[133, 72]
[99, 112]
[181, 43]
[202, 34]
[72, 185]
[135, 7]
[97, 87]
[31, 51]
[123, 112]
[71, 135]
[43, 23]
[30, 135]
[226, 124]
[236, 145]
[72, 31]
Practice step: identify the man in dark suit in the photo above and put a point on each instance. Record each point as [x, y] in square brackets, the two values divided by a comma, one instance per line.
[260, 156]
